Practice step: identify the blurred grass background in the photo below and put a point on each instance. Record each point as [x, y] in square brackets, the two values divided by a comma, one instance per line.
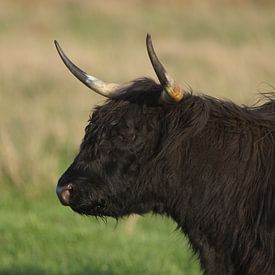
[221, 48]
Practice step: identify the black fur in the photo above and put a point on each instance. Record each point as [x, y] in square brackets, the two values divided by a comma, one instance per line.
[207, 163]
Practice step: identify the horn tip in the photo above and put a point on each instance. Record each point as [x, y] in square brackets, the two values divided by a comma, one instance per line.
[56, 45]
[59, 50]
[148, 38]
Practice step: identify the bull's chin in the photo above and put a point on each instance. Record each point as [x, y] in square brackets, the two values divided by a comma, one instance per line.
[95, 212]
[89, 211]
[84, 210]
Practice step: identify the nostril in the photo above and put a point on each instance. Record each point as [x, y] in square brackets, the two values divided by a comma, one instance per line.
[64, 193]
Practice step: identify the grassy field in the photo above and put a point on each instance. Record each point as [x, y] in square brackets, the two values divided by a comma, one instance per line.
[37, 236]
[225, 50]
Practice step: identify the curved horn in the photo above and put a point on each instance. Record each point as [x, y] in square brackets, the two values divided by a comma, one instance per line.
[97, 85]
[172, 92]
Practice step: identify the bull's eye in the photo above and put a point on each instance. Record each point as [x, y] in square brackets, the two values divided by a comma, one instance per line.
[128, 136]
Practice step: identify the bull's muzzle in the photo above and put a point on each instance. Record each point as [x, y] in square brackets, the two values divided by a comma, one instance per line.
[64, 193]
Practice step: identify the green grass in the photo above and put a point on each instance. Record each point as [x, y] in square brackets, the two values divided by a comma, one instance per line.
[39, 236]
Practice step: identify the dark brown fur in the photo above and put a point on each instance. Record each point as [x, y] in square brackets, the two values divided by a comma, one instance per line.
[207, 163]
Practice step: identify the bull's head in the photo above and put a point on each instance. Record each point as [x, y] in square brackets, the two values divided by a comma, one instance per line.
[114, 171]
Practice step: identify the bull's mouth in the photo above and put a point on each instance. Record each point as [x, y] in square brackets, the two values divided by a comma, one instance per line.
[81, 201]
[96, 208]
[70, 195]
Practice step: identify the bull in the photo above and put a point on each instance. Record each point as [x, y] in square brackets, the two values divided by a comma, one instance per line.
[206, 163]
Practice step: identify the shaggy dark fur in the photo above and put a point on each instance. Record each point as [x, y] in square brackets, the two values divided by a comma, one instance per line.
[207, 163]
